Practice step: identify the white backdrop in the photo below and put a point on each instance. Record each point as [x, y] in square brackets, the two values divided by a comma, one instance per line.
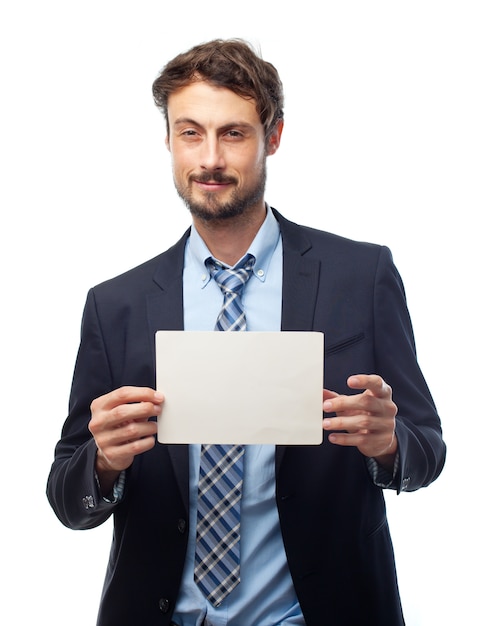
[387, 139]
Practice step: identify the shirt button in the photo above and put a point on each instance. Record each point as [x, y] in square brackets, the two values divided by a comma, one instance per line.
[260, 273]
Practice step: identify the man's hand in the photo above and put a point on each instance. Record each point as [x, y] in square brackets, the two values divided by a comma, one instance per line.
[120, 427]
[367, 418]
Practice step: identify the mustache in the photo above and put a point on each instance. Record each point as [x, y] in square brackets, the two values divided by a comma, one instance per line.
[213, 177]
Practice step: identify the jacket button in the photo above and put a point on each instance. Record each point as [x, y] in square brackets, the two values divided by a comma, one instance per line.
[181, 526]
[164, 605]
[88, 502]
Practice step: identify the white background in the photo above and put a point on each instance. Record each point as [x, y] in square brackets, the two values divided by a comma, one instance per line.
[387, 139]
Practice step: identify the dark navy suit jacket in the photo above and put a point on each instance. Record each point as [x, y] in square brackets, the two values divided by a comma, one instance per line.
[332, 515]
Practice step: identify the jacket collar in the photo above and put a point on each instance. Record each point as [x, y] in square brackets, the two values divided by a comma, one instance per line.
[300, 281]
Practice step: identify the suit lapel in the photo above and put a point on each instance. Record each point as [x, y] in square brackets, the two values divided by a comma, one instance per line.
[165, 312]
[300, 286]
[165, 307]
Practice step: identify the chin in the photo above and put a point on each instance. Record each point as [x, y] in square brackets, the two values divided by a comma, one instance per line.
[208, 213]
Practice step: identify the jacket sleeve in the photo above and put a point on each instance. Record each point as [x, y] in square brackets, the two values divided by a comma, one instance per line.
[72, 487]
[418, 428]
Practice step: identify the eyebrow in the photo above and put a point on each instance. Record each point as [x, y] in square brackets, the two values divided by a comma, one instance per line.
[180, 121]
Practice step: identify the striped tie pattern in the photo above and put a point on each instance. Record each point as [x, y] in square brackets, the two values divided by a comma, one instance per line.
[217, 559]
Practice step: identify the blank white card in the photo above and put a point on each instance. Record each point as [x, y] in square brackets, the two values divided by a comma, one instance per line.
[240, 387]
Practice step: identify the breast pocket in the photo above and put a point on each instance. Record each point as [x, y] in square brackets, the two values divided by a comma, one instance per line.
[344, 344]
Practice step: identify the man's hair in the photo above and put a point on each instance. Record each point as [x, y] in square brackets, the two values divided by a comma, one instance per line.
[232, 64]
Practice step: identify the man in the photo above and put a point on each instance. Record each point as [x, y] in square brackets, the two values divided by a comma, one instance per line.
[314, 543]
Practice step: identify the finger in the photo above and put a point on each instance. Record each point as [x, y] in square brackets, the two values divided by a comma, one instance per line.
[134, 431]
[120, 456]
[327, 393]
[371, 382]
[121, 416]
[347, 439]
[368, 444]
[107, 427]
[130, 412]
[362, 424]
[128, 395]
[362, 441]
[115, 441]
[356, 404]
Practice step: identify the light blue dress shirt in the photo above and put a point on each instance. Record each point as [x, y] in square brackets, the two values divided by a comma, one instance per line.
[265, 595]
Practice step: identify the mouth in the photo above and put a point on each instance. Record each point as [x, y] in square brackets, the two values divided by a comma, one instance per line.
[211, 183]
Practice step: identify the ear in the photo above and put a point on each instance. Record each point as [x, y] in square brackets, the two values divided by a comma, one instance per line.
[167, 143]
[275, 138]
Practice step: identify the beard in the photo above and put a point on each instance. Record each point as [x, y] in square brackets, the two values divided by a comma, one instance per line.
[211, 208]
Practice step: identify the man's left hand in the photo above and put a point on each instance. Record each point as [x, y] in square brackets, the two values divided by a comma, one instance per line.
[367, 419]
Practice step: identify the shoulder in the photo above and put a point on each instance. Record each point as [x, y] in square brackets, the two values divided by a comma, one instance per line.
[325, 245]
[154, 273]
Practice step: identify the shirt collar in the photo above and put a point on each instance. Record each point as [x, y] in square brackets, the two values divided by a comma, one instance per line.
[262, 247]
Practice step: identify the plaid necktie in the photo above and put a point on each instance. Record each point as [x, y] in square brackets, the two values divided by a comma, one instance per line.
[217, 558]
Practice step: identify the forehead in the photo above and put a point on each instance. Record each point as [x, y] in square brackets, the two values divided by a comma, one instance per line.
[210, 105]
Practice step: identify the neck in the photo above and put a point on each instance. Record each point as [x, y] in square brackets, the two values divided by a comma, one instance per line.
[229, 239]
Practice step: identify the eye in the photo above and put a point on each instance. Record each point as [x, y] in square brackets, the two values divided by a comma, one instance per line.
[189, 135]
[234, 134]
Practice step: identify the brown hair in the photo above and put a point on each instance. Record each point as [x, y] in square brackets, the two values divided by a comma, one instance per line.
[232, 64]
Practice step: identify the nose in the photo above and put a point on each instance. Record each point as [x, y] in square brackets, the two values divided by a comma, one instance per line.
[211, 157]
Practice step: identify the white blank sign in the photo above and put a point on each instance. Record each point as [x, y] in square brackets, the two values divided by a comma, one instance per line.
[240, 387]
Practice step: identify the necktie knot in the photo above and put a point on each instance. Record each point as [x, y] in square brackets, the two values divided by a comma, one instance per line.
[232, 280]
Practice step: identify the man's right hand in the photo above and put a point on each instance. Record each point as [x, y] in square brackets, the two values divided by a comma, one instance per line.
[121, 428]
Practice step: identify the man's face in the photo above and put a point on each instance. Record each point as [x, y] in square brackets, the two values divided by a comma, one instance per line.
[218, 150]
